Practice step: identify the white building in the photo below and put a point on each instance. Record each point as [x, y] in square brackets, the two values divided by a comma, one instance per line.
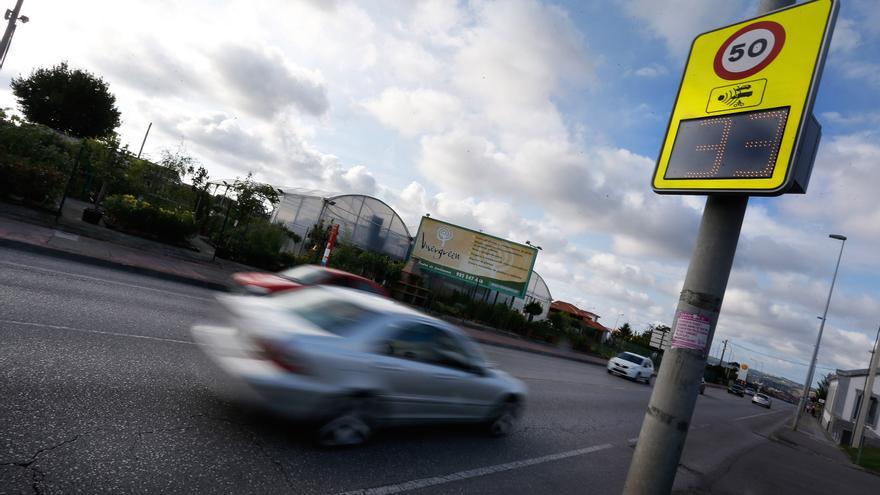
[845, 392]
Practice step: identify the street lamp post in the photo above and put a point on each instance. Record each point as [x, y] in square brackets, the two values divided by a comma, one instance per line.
[808, 384]
[11, 16]
[225, 218]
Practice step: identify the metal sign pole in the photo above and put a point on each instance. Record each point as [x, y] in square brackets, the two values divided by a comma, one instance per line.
[667, 419]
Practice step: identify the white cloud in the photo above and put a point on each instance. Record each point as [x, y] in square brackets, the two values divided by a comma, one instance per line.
[265, 83]
[415, 112]
[852, 119]
[846, 37]
[678, 22]
[653, 70]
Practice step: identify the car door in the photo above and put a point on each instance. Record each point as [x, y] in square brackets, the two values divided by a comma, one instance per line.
[407, 365]
[475, 392]
[649, 367]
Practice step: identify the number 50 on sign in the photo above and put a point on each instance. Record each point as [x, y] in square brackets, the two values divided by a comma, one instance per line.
[742, 121]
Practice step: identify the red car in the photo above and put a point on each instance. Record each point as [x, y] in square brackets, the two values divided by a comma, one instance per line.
[303, 275]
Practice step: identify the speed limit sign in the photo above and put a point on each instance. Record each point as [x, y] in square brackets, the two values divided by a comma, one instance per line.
[743, 120]
[749, 50]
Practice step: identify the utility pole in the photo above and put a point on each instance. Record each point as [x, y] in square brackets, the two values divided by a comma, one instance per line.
[721, 362]
[668, 417]
[6, 40]
[865, 404]
[145, 140]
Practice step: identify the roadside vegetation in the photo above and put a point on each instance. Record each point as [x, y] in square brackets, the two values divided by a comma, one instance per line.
[66, 145]
[870, 457]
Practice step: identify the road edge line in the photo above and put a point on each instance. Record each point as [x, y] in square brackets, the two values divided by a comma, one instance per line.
[474, 473]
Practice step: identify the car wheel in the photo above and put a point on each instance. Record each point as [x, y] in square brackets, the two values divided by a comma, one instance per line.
[504, 418]
[352, 425]
[648, 381]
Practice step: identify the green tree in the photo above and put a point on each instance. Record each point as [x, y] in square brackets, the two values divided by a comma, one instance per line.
[822, 387]
[533, 309]
[178, 161]
[624, 332]
[254, 199]
[560, 321]
[72, 101]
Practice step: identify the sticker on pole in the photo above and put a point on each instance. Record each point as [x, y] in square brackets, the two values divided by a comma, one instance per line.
[691, 331]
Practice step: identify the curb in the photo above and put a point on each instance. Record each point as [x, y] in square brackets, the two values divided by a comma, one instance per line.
[534, 351]
[58, 253]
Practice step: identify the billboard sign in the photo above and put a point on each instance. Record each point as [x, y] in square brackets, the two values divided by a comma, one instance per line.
[474, 257]
[743, 373]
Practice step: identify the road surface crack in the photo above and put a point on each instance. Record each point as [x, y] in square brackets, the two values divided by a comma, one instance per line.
[37, 476]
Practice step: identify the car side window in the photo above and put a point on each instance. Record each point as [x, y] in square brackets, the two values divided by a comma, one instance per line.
[449, 351]
[413, 342]
[364, 286]
[427, 344]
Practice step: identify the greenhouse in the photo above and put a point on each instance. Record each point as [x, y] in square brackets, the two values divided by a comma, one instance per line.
[536, 292]
[365, 222]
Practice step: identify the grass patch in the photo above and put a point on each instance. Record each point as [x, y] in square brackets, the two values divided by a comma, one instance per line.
[870, 457]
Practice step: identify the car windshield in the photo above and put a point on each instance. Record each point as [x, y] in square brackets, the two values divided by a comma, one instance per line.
[631, 357]
[307, 274]
[761, 396]
[326, 312]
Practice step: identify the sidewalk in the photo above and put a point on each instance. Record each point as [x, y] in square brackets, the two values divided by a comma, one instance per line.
[69, 237]
[499, 339]
[798, 462]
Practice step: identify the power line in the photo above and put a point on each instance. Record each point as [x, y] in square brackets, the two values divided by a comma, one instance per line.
[779, 358]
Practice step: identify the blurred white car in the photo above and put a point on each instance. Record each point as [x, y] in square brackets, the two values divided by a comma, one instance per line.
[632, 366]
[352, 361]
[761, 400]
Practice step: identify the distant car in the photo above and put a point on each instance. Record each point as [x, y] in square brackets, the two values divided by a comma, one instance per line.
[702, 385]
[632, 366]
[350, 361]
[301, 276]
[761, 400]
[750, 391]
[735, 389]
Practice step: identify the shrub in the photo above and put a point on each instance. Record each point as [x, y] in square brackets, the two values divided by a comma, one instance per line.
[257, 243]
[39, 184]
[140, 217]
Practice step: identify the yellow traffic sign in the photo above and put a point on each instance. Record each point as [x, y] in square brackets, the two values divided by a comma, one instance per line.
[742, 121]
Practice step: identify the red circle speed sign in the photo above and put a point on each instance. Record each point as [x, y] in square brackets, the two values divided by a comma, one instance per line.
[747, 51]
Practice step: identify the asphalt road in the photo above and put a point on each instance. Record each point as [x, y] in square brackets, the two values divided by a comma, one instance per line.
[102, 390]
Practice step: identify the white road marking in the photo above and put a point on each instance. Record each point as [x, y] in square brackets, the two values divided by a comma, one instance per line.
[473, 473]
[757, 415]
[65, 235]
[49, 270]
[85, 330]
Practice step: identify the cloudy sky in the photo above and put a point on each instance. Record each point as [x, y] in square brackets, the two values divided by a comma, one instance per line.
[527, 119]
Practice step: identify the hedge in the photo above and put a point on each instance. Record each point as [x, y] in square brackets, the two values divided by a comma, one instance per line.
[140, 217]
[37, 183]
